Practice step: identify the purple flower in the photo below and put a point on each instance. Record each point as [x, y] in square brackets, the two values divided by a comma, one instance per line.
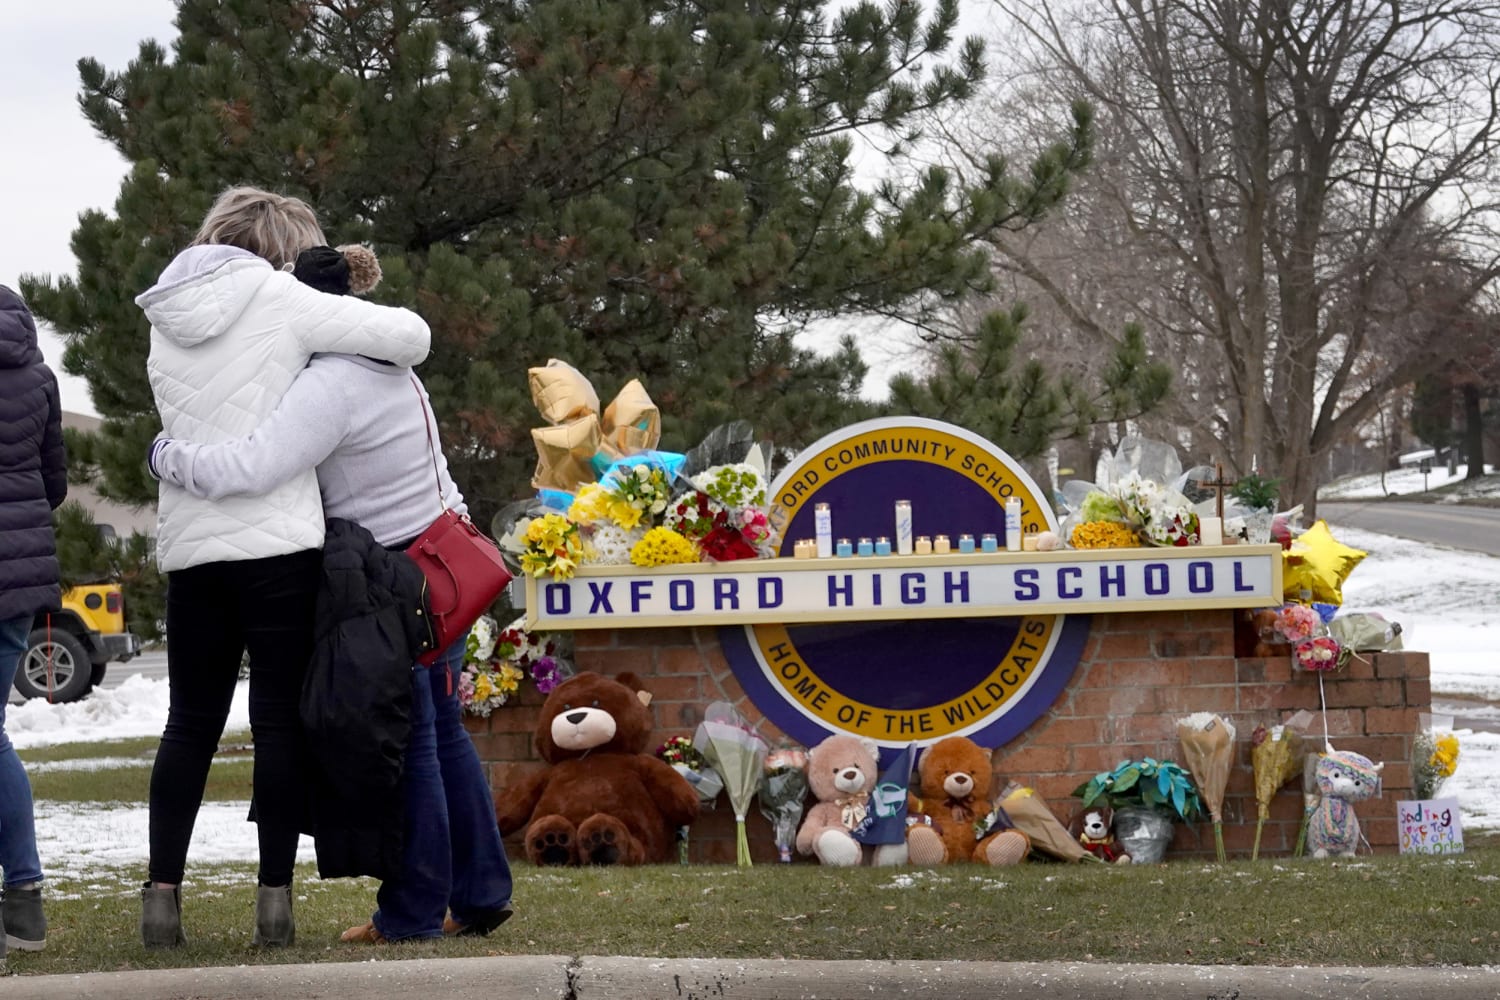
[544, 672]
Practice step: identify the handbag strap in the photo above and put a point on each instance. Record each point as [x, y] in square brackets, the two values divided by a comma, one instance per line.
[431, 448]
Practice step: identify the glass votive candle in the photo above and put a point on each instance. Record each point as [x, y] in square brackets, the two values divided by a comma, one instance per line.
[966, 543]
[882, 546]
[865, 547]
[806, 549]
[922, 546]
[988, 543]
[843, 548]
[941, 545]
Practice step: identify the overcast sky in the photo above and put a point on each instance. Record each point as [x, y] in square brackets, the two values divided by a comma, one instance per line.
[53, 167]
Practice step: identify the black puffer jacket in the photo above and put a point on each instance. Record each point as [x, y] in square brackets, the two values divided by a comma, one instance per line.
[33, 466]
[356, 702]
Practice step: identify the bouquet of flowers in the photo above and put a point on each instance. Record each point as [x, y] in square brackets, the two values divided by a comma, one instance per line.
[553, 547]
[1208, 747]
[687, 761]
[783, 787]
[1296, 622]
[663, 547]
[1319, 654]
[1136, 495]
[497, 661]
[1276, 758]
[639, 492]
[738, 753]
[1434, 755]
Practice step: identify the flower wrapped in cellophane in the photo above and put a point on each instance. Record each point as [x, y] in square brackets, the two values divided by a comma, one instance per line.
[738, 753]
[1208, 747]
[679, 752]
[1136, 498]
[1275, 759]
[782, 795]
[1434, 755]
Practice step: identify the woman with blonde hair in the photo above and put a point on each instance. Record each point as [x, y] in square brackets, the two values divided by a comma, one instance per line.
[230, 331]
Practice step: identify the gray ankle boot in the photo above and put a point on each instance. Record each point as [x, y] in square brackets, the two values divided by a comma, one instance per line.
[25, 926]
[161, 917]
[273, 917]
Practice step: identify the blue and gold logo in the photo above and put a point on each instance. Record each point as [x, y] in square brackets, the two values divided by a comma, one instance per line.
[906, 681]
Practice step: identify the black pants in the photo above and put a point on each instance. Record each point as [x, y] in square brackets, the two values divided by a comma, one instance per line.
[214, 613]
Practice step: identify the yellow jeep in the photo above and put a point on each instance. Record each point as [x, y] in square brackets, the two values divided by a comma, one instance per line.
[70, 649]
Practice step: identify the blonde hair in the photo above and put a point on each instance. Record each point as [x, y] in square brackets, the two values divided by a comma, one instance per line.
[269, 225]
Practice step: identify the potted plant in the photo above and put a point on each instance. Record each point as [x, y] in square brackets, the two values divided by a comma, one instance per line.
[1259, 495]
[1147, 796]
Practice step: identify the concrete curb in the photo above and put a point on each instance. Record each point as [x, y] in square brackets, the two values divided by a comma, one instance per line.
[598, 978]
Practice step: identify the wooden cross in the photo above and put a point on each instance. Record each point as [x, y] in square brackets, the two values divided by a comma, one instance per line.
[1219, 484]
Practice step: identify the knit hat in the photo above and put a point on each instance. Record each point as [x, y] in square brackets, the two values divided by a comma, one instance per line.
[345, 270]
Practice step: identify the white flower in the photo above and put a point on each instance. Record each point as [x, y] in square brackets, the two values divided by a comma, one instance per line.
[482, 634]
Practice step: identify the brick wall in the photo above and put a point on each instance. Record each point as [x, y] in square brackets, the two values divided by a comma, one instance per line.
[1138, 675]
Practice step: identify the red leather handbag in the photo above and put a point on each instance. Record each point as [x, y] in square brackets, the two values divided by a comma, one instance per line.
[464, 569]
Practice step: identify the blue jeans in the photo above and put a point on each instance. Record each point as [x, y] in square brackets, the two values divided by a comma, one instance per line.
[18, 860]
[452, 857]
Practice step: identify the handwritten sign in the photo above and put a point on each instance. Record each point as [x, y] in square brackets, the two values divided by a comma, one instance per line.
[1429, 826]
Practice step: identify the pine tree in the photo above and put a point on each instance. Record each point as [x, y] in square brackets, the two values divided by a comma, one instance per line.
[658, 189]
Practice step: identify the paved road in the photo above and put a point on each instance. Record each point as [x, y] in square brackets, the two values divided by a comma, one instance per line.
[1475, 529]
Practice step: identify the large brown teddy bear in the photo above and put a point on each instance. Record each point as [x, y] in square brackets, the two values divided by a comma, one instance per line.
[603, 801]
[953, 783]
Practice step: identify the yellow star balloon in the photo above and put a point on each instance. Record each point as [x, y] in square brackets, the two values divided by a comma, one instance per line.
[1319, 564]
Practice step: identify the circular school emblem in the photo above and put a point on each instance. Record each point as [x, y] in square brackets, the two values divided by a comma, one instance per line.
[905, 681]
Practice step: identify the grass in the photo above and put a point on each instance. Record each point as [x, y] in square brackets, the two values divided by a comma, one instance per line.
[1374, 911]
[1385, 910]
[120, 771]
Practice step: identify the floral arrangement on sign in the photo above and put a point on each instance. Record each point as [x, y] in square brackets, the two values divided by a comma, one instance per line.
[1136, 499]
[497, 661]
[646, 507]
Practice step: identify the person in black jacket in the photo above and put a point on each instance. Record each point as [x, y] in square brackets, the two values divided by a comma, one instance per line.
[33, 481]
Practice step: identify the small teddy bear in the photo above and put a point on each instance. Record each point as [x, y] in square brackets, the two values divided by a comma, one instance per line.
[954, 778]
[841, 772]
[1344, 778]
[1095, 831]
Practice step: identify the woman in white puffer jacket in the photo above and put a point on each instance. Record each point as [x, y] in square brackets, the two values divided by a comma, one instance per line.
[230, 331]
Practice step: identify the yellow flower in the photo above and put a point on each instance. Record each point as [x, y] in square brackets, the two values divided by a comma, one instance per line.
[624, 513]
[590, 506]
[1103, 535]
[552, 546]
[482, 687]
[663, 547]
[508, 679]
[1444, 759]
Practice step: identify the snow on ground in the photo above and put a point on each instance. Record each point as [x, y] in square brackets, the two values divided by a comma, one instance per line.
[1447, 602]
[138, 707]
[78, 840]
[1401, 482]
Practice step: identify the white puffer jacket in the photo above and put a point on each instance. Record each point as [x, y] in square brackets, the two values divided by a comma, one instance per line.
[229, 333]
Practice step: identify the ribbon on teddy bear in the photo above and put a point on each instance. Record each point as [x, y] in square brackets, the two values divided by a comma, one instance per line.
[852, 810]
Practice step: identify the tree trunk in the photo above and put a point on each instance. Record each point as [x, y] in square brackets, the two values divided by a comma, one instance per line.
[1473, 431]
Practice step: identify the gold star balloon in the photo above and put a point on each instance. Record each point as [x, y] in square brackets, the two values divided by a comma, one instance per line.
[1318, 564]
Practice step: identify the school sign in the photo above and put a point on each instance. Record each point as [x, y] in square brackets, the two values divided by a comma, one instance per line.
[907, 648]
